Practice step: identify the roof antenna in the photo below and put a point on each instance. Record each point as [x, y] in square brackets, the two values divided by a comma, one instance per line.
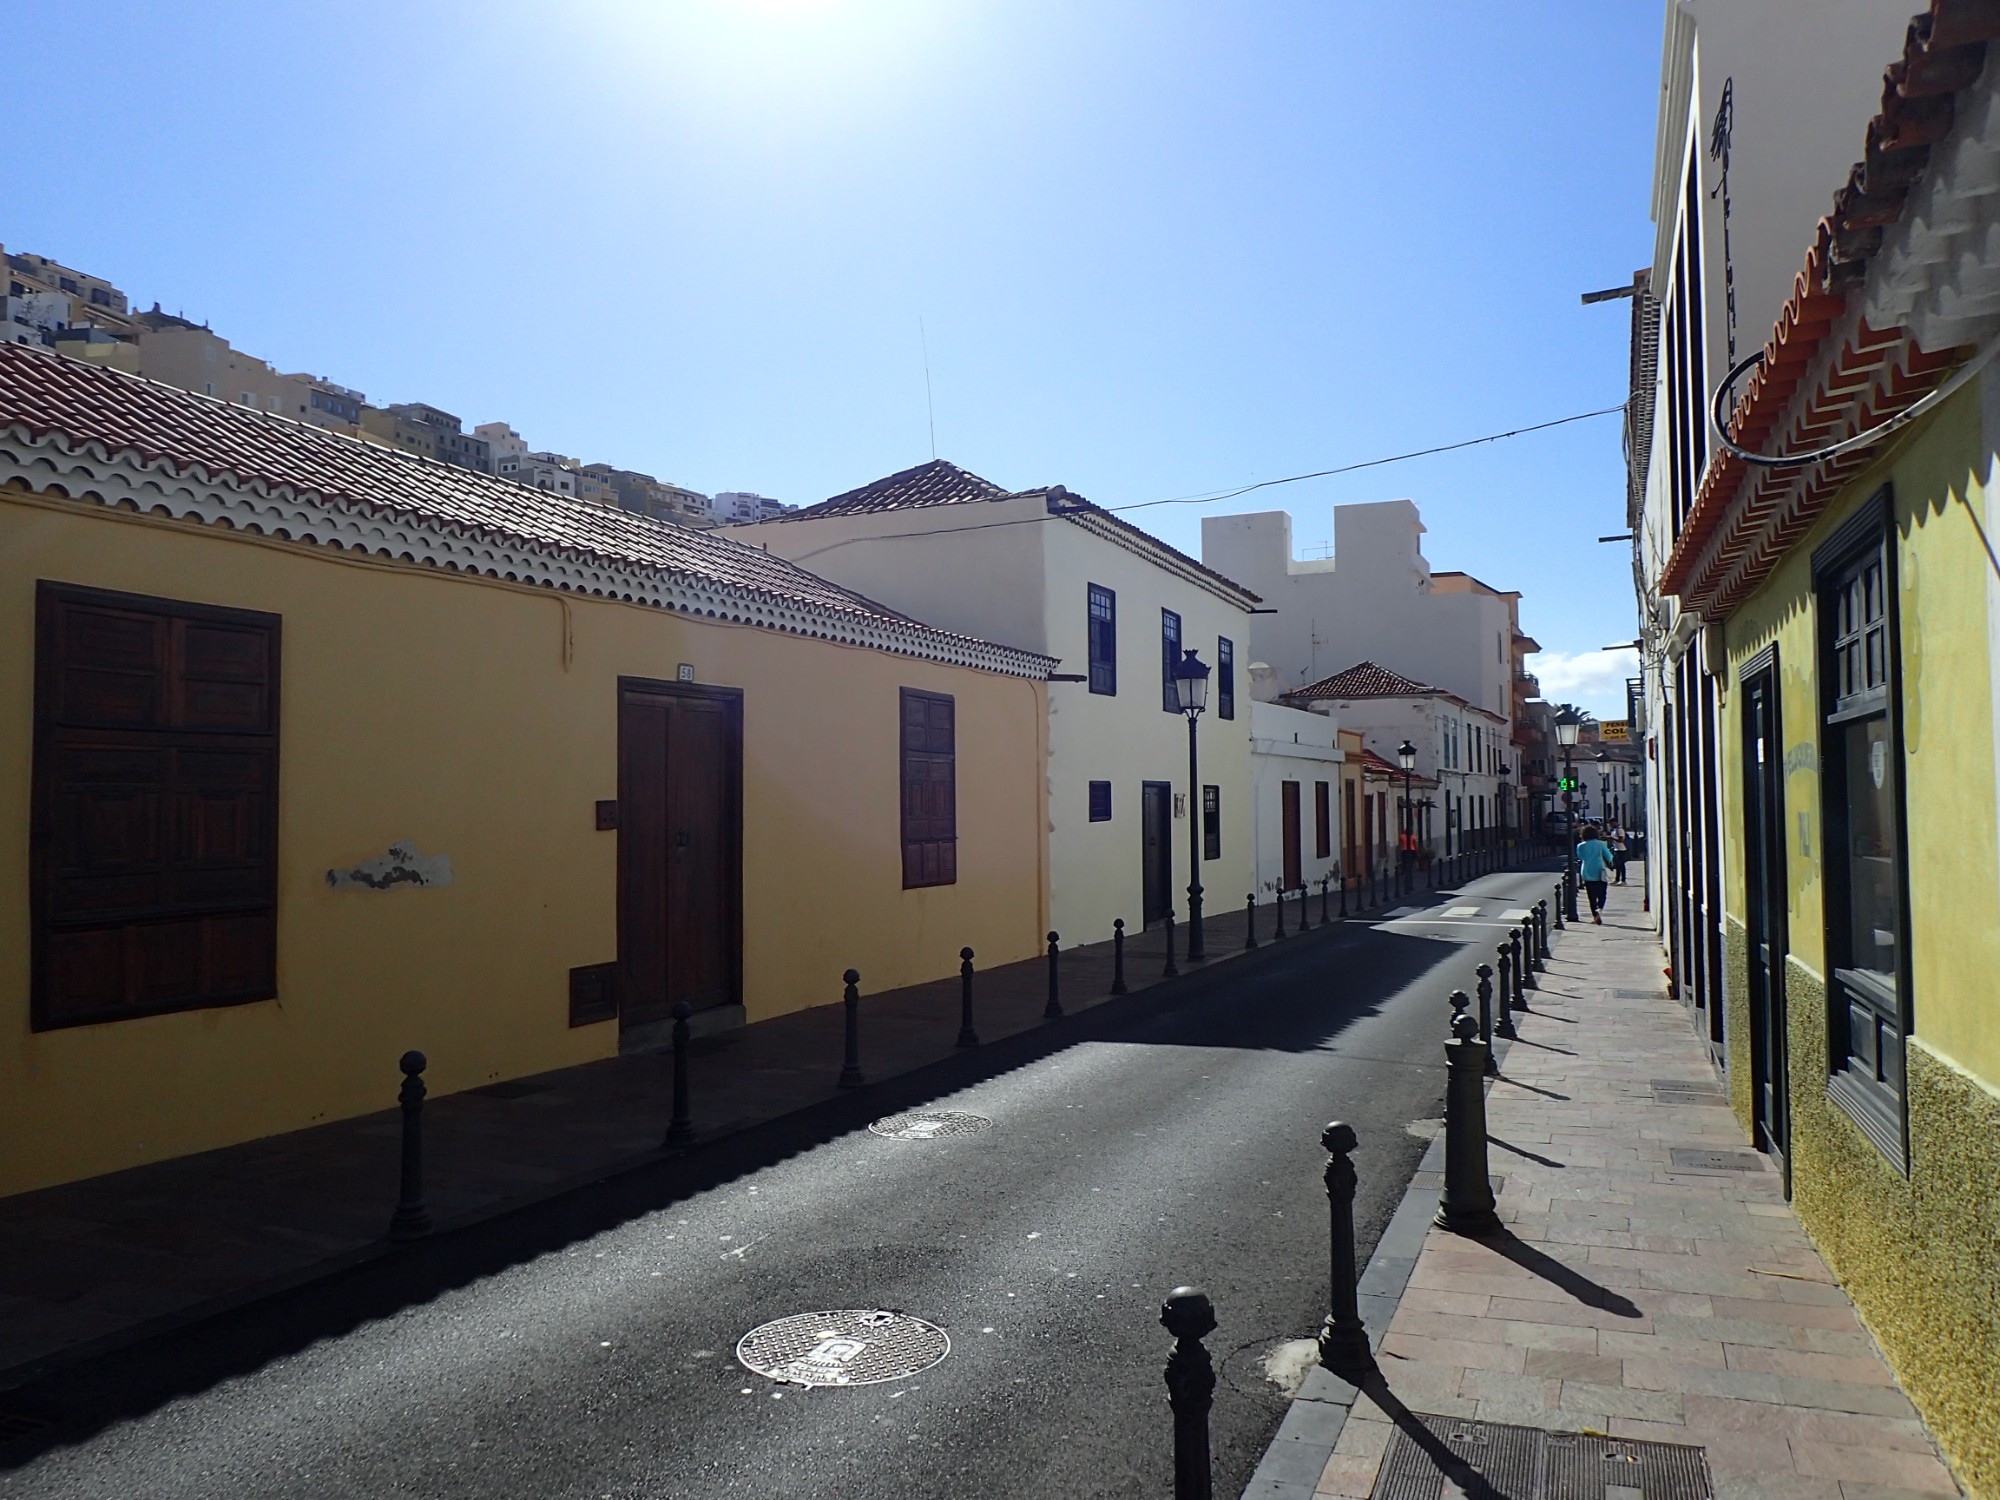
[929, 410]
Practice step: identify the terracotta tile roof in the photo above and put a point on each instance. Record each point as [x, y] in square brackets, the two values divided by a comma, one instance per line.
[936, 483]
[940, 482]
[1367, 679]
[1838, 360]
[43, 394]
[1376, 765]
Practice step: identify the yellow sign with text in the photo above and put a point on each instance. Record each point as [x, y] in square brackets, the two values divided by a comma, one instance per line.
[1615, 730]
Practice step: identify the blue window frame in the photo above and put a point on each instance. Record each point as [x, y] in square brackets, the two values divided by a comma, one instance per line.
[1100, 802]
[1103, 641]
[1170, 657]
[1225, 678]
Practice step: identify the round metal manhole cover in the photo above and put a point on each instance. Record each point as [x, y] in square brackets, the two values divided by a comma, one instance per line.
[853, 1347]
[930, 1124]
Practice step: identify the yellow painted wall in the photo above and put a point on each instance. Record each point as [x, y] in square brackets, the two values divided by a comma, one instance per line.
[439, 709]
[1920, 1254]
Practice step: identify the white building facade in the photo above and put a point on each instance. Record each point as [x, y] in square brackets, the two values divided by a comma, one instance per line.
[1459, 746]
[1048, 570]
[1296, 772]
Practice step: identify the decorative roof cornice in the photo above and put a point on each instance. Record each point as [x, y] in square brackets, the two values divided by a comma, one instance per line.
[87, 472]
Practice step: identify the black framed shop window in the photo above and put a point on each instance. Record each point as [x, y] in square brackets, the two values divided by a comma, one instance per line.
[1864, 844]
[1211, 822]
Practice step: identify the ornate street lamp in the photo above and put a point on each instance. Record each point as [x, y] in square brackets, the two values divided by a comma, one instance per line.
[1191, 689]
[1406, 756]
[1603, 785]
[1569, 724]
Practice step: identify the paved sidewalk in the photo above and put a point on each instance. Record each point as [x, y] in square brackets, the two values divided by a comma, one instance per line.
[1636, 1289]
[93, 1266]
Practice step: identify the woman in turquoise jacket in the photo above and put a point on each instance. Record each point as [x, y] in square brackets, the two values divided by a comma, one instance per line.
[1593, 859]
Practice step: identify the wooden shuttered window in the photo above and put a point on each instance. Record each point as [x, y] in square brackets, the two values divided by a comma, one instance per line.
[1322, 820]
[153, 842]
[930, 790]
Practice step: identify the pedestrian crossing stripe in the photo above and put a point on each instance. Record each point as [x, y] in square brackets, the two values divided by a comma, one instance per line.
[1462, 911]
[1516, 914]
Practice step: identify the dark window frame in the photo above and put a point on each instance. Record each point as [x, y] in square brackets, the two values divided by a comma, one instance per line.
[1211, 822]
[1101, 615]
[1225, 677]
[929, 839]
[1868, 1083]
[1170, 650]
[1322, 820]
[162, 718]
[1100, 802]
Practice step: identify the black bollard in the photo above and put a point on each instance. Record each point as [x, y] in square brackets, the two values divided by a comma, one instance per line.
[1520, 966]
[1118, 956]
[1343, 898]
[1505, 954]
[1325, 899]
[412, 1219]
[1467, 1204]
[1343, 1341]
[1187, 1315]
[1503, 1020]
[1559, 906]
[1250, 921]
[851, 1076]
[1542, 936]
[1527, 969]
[967, 1037]
[1053, 1010]
[680, 1129]
[1305, 917]
[1278, 905]
[1485, 973]
[1170, 971]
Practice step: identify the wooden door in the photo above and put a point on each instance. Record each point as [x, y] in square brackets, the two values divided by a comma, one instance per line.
[1764, 879]
[679, 848]
[1288, 824]
[1157, 873]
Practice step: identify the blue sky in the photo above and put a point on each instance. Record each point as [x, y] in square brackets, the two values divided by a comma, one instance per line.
[1157, 248]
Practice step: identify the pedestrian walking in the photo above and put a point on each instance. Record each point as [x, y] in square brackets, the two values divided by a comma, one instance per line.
[1593, 862]
[1621, 851]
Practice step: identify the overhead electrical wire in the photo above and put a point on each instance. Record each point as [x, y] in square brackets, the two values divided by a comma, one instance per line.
[1262, 484]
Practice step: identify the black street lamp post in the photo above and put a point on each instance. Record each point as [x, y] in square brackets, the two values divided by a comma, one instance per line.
[1569, 724]
[1406, 756]
[1500, 772]
[1191, 684]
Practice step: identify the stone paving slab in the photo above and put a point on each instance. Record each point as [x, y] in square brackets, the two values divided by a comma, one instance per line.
[1623, 1294]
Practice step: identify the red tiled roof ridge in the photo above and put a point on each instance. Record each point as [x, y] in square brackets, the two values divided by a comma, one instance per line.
[1366, 679]
[1944, 52]
[119, 417]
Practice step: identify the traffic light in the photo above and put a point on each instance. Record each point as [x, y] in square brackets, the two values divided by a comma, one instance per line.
[1565, 783]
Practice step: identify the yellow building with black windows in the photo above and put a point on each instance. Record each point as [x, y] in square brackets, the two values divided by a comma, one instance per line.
[1844, 608]
[312, 751]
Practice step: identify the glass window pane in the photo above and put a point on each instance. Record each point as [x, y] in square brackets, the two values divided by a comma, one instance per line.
[1873, 918]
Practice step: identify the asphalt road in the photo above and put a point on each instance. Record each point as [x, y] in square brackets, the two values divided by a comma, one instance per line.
[1179, 1148]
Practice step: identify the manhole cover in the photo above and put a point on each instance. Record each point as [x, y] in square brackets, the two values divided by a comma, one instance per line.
[1666, 1091]
[930, 1124]
[1524, 1463]
[854, 1347]
[1699, 1159]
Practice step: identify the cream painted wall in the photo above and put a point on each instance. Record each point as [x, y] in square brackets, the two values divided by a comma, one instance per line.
[478, 719]
[1096, 868]
[1293, 744]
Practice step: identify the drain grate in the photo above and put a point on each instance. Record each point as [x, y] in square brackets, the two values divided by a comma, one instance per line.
[1628, 994]
[854, 1347]
[1687, 1091]
[930, 1124]
[1500, 1462]
[1700, 1159]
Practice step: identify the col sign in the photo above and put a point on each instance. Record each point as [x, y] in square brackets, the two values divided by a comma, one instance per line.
[1617, 731]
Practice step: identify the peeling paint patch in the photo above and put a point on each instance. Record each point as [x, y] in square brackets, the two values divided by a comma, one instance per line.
[402, 865]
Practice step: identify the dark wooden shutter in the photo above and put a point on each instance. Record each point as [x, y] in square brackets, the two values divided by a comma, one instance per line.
[930, 790]
[1322, 820]
[153, 881]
